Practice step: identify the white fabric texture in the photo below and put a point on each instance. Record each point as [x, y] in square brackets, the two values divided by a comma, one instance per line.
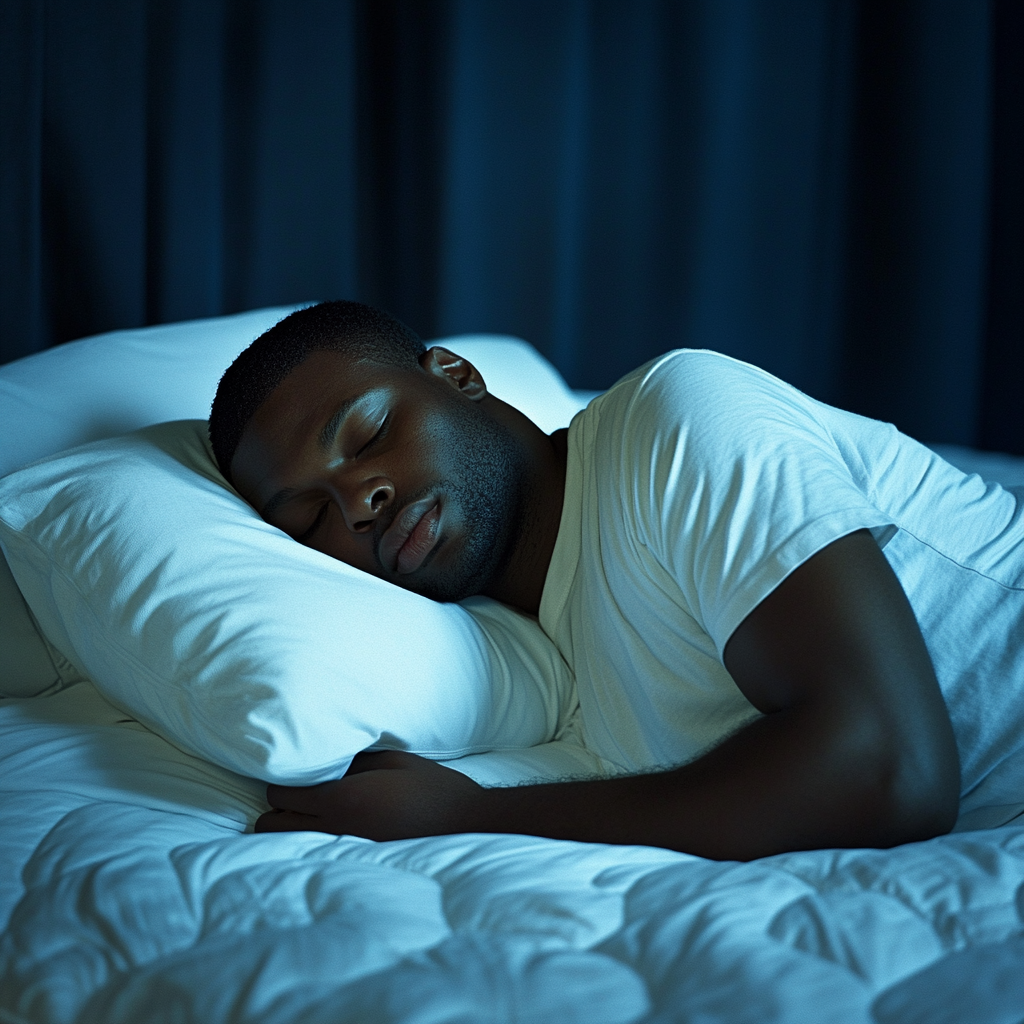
[695, 486]
[129, 894]
[221, 633]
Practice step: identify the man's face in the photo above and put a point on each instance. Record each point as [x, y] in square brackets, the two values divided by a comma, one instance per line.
[392, 470]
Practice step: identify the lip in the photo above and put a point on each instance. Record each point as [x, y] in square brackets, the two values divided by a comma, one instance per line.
[412, 535]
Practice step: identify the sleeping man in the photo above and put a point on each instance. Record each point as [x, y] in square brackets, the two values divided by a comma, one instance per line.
[797, 627]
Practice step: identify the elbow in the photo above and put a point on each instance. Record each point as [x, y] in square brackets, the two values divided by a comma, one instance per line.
[902, 788]
[925, 810]
[911, 766]
[923, 816]
[922, 795]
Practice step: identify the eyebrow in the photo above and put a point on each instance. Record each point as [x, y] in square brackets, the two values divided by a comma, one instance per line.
[324, 440]
[326, 436]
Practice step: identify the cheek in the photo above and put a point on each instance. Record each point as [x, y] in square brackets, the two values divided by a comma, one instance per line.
[446, 433]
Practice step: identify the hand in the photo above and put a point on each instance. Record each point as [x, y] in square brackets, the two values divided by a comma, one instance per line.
[386, 795]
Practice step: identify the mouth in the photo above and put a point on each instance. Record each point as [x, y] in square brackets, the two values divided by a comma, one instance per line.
[411, 537]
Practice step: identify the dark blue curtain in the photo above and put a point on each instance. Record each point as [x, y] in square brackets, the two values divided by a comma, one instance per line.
[832, 190]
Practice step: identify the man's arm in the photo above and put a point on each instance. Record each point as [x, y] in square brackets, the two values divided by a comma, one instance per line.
[855, 746]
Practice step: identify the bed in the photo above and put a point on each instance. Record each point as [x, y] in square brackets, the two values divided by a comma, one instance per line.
[133, 890]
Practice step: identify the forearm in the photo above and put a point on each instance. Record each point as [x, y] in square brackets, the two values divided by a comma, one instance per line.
[786, 782]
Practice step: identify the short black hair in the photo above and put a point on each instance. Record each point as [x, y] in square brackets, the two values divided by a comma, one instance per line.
[340, 326]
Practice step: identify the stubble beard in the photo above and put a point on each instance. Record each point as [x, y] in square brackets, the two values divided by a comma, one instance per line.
[491, 492]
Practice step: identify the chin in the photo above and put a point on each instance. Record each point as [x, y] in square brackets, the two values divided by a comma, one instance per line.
[474, 576]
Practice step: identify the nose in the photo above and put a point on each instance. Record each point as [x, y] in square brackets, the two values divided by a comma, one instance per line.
[363, 502]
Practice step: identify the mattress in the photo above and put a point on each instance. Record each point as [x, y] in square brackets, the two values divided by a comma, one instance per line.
[133, 889]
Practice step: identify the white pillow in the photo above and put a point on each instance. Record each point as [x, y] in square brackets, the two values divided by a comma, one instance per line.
[106, 385]
[112, 383]
[222, 634]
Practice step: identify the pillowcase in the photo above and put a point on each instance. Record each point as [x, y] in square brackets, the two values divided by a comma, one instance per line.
[216, 630]
[112, 383]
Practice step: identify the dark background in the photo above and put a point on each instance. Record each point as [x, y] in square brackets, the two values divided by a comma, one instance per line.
[833, 190]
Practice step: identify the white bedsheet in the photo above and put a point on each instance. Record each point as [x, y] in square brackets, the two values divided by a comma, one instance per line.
[130, 893]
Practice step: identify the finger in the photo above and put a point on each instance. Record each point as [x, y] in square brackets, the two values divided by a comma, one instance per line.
[288, 821]
[304, 799]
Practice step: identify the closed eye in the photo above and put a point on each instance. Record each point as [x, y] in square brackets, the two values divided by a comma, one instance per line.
[322, 513]
[381, 431]
[320, 517]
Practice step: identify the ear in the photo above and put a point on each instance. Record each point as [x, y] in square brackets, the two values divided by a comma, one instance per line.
[455, 370]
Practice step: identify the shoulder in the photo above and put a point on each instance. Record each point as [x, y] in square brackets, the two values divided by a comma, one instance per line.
[711, 405]
[703, 385]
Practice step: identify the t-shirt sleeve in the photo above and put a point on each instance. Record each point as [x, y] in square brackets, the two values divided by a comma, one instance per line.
[736, 482]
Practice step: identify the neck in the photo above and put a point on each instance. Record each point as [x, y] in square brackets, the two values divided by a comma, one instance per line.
[522, 583]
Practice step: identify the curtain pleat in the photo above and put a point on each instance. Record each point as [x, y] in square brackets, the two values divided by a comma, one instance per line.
[830, 190]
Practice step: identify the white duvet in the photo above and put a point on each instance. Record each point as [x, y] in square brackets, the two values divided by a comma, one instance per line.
[131, 893]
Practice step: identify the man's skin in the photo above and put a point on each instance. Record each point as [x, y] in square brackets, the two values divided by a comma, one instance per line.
[854, 746]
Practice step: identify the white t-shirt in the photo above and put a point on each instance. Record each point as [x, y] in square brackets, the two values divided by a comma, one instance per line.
[695, 486]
